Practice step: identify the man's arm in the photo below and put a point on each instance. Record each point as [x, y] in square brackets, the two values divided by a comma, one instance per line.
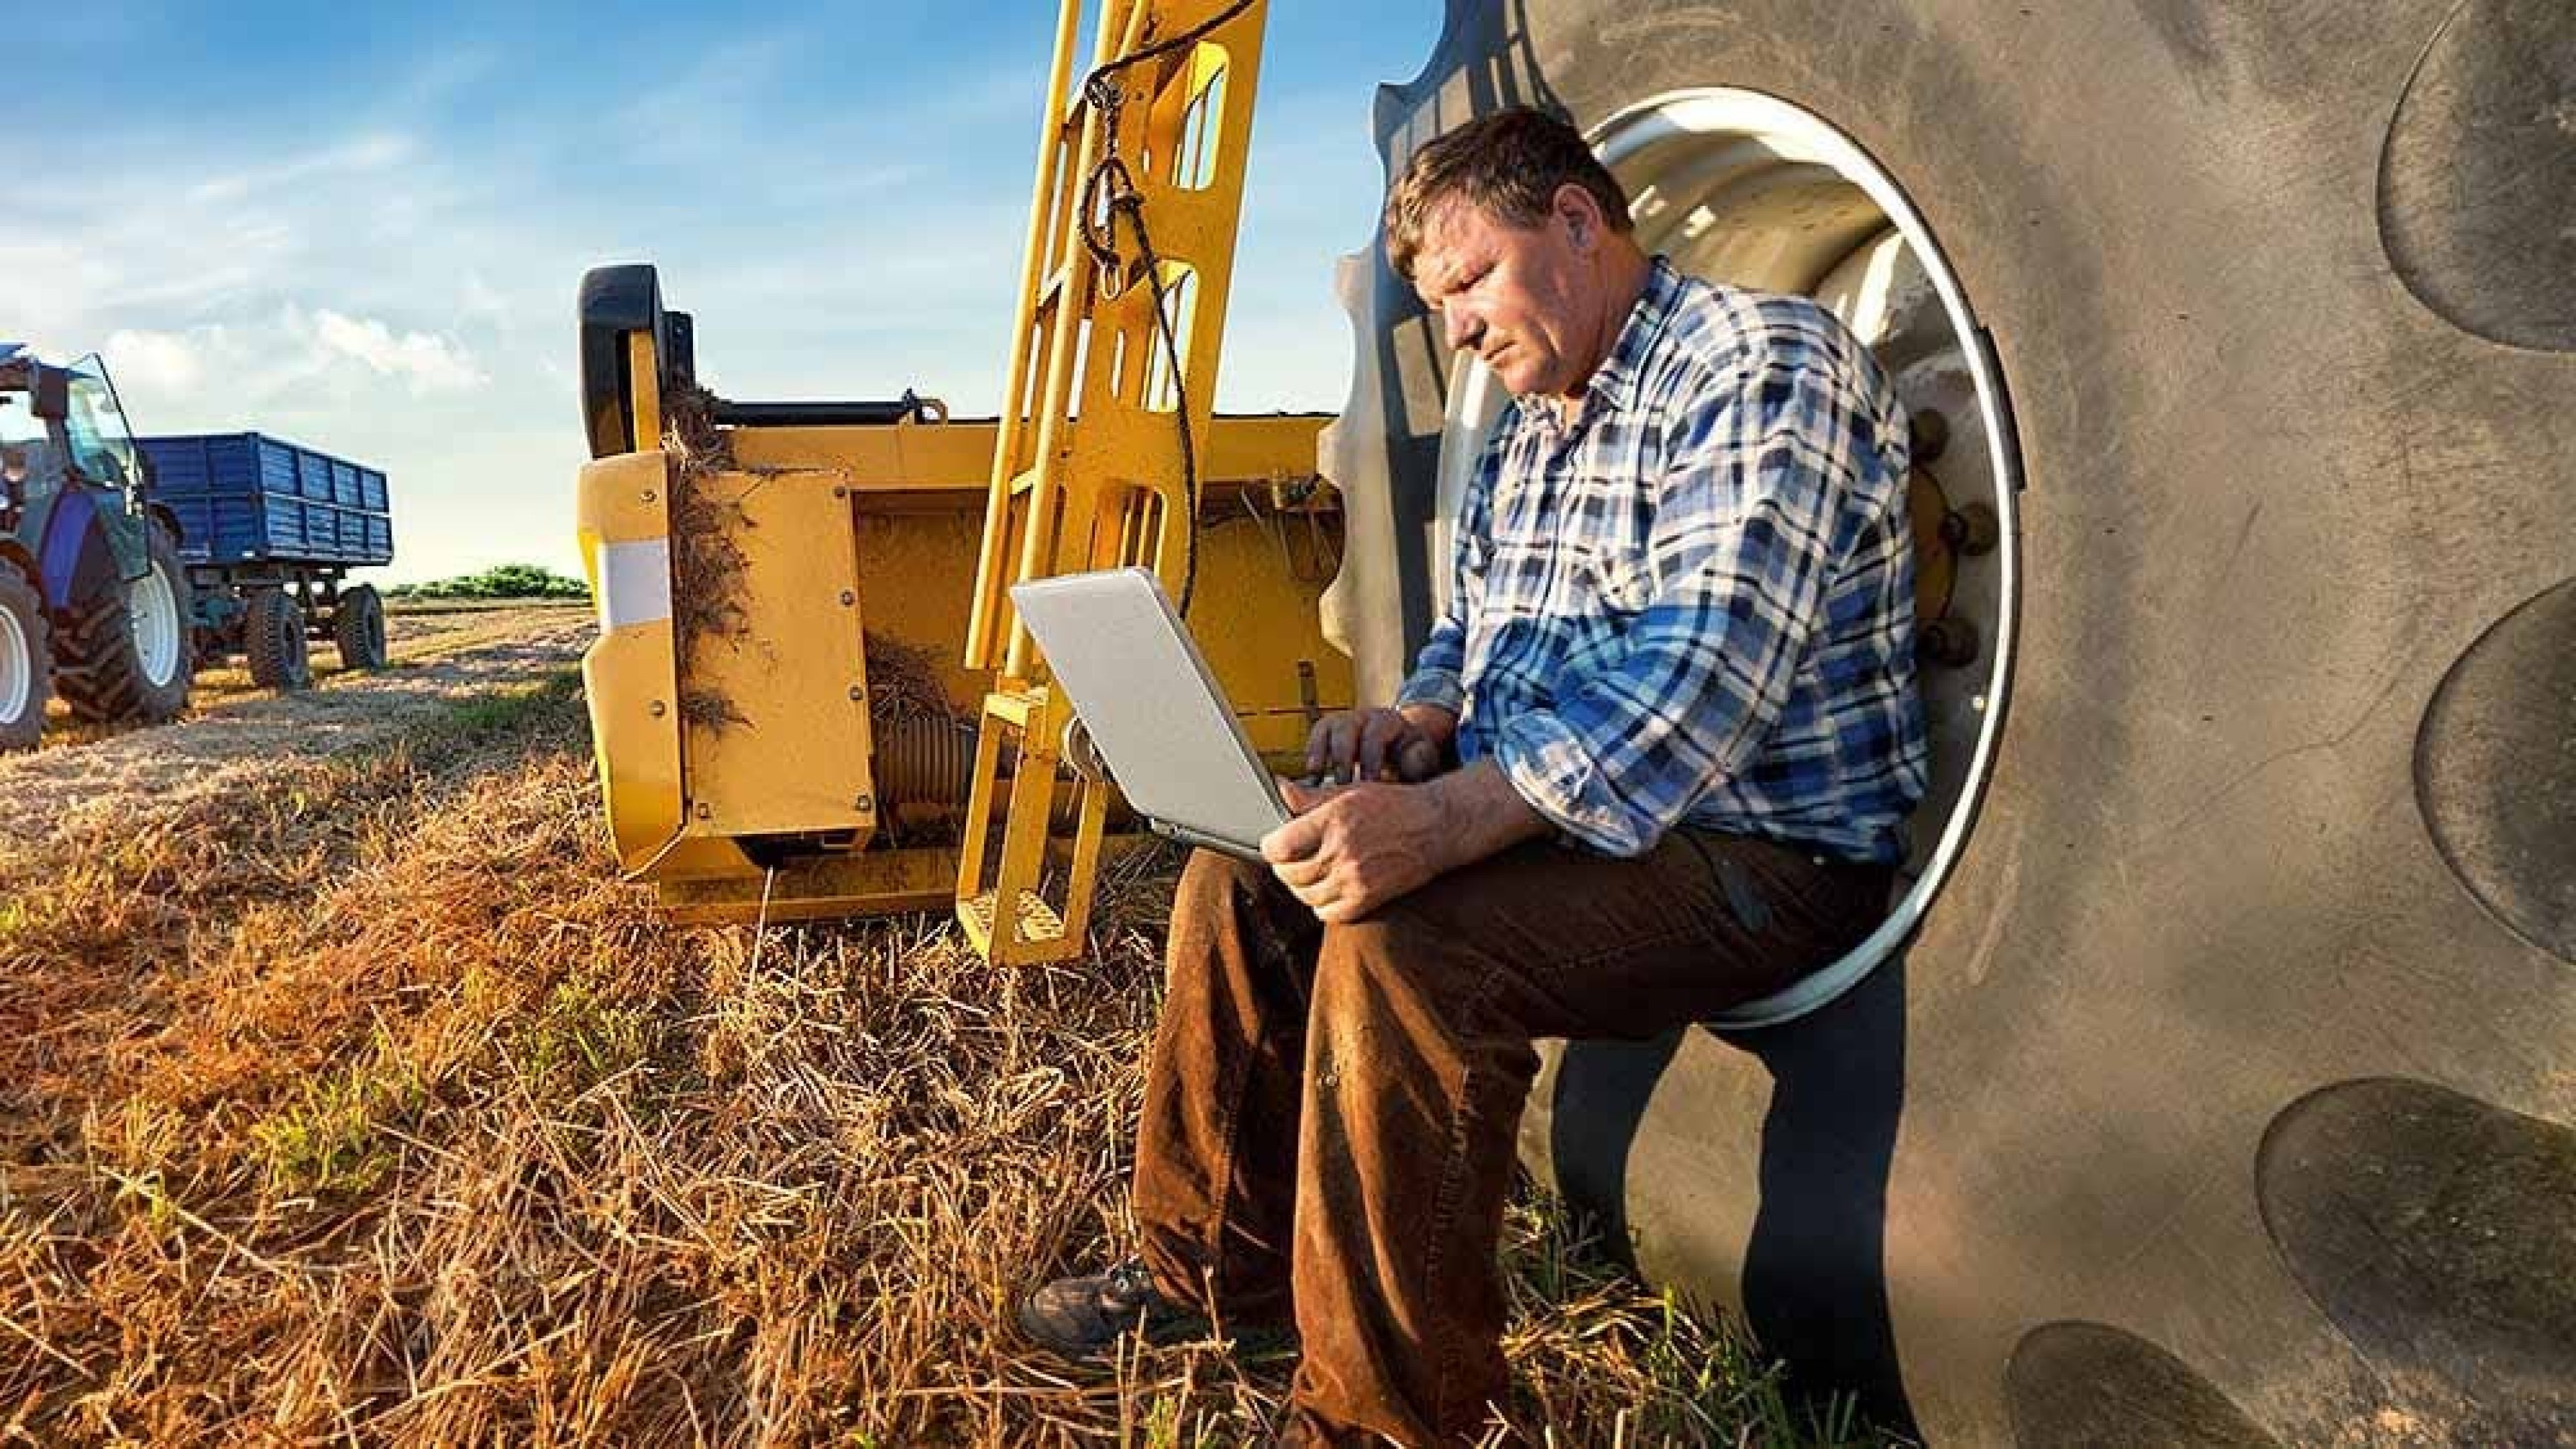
[1739, 559]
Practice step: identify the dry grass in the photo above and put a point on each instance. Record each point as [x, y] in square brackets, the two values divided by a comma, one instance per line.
[362, 1105]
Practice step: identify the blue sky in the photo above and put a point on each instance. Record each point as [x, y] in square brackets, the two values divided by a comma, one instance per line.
[361, 227]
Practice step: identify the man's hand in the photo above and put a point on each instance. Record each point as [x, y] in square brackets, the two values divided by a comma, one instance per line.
[1353, 849]
[1357, 745]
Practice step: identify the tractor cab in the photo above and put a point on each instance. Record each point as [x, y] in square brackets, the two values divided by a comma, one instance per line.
[59, 424]
[64, 426]
[33, 401]
[96, 602]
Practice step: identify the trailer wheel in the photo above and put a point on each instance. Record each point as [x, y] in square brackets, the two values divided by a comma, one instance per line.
[2257, 906]
[358, 627]
[122, 655]
[26, 666]
[273, 641]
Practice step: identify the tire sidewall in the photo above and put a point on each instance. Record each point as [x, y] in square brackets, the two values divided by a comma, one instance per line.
[166, 698]
[280, 656]
[358, 628]
[25, 607]
[2270, 499]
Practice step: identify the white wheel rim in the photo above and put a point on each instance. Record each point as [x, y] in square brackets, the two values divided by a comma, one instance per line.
[17, 668]
[1685, 158]
[152, 607]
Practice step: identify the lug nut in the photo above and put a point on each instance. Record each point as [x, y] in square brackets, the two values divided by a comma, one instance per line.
[1972, 530]
[1927, 435]
[1950, 643]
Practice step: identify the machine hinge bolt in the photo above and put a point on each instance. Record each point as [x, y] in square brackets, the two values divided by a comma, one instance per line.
[706, 812]
[840, 490]
[864, 803]
[657, 709]
[857, 694]
[648, 495]
[848, 598]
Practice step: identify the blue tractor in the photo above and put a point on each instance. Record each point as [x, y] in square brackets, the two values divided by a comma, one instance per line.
[95, 603]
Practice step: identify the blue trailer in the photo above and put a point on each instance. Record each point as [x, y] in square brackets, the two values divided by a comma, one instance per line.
[269, 530]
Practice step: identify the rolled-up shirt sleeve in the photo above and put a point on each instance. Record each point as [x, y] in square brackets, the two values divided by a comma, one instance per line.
[1737, 559]
[1435, 678]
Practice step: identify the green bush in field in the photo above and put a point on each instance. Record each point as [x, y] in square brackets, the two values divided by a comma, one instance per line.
[504, 581]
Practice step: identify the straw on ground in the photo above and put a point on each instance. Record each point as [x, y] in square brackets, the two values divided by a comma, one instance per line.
[347, 1097]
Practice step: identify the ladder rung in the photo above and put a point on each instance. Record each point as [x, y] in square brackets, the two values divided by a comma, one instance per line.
[1014, 707]
[1051, 291]
[1036, 920]
[1024, 481]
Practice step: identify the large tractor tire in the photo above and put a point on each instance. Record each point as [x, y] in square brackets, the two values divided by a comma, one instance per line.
[2213, 1084]
[358, 628]
[26, 664]
[122, 651]
[274, 644]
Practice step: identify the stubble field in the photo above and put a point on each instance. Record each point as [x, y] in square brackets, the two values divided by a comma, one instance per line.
[347, 1097]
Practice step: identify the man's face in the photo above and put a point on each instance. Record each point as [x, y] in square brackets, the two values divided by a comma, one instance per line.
[1525, 299]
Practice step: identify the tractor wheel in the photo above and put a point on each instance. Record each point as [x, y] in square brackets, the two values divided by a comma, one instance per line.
[26, 666]
[122, 655]
[274, 643]
[2211, 1083]
[358, 627]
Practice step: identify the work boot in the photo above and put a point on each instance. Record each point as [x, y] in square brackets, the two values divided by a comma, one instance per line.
[1082, 1319]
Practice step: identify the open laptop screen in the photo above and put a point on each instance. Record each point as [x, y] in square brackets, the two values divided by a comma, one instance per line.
[1119, 650]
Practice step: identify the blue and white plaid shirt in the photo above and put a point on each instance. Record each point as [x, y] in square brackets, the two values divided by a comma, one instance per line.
[1694, 603]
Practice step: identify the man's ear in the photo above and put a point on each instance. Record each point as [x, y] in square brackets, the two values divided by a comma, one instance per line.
[1581, 215]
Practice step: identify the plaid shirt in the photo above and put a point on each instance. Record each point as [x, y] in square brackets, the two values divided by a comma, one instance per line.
[1694, 602]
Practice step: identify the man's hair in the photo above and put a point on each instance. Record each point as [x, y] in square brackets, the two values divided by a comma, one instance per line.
[1508, 165]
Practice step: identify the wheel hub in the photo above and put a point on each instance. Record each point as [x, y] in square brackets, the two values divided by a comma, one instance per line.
[1746, 189]
[17, 667]
[152, 608]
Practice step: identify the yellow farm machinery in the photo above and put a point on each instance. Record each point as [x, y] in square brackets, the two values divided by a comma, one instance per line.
[811, 697]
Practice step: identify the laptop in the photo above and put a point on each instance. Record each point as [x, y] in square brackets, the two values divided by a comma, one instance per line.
[1136, 677]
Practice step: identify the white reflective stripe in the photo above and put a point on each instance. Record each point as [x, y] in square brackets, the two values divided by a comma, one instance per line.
[635, 584]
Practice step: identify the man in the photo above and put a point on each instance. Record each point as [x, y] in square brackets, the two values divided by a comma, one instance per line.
[1653, 762]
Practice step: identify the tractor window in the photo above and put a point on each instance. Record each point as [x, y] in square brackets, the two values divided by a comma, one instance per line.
[19, 424]
[102, 449]
[30, 467]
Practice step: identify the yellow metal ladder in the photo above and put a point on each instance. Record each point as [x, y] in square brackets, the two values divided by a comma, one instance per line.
[1105, 417]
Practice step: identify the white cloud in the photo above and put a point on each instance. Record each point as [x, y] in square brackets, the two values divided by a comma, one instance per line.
[157, 362]
[426, 361]
[364, 155]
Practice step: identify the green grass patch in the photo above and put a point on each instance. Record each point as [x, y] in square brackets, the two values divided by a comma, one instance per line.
[334, 1140]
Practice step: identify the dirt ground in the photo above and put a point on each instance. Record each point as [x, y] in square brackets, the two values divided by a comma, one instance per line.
[233, 729]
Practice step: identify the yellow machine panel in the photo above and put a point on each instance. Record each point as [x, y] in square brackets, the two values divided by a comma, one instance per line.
[629, 673]
[773, 675]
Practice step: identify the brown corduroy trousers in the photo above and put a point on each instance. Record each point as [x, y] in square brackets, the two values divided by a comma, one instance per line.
[1331, 1112]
